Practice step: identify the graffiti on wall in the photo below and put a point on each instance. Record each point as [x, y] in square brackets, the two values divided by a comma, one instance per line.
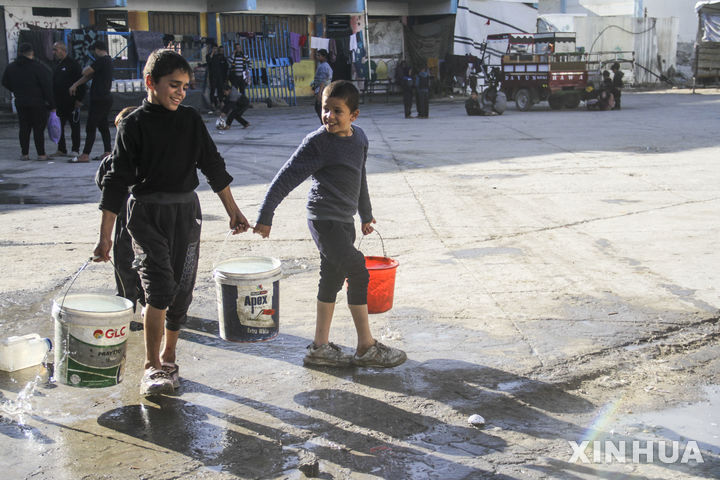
[17, 19]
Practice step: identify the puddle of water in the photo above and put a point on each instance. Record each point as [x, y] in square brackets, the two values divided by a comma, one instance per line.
[699, 422]
[8, 195]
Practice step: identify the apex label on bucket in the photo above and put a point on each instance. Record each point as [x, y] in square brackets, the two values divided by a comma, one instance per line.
[248, 298]
[255, 311]
[248, 313]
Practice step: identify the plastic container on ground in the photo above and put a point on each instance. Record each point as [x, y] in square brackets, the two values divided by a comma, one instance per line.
[24, 351]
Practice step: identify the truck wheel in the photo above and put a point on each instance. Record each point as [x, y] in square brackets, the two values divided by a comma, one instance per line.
[523, 99]
[555, 102]
[572, 101]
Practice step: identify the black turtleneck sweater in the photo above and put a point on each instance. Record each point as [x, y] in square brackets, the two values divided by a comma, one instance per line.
[159, 151]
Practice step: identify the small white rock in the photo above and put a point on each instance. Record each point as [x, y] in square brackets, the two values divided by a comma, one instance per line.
[476, 420]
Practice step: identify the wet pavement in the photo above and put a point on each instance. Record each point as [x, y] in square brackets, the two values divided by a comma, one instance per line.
[558, 276]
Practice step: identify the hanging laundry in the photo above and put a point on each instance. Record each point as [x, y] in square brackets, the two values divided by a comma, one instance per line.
[332, 51]
[295, 51]
[320, 43]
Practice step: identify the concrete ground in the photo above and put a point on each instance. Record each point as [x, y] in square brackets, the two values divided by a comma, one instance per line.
[558, 276]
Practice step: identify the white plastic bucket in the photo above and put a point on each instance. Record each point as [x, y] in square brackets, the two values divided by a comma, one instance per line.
[91, 333]
[248, 296]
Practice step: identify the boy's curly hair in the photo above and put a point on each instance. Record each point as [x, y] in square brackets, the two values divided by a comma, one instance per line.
[165, 61]
[344, 90]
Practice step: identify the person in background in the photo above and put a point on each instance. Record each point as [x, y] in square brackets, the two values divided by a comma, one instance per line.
[474, 107]
[617, 84]
[403, 77]
[217, 71]
[239, 64]
[31, 84]
[234, 105]
[323, 77]
[66, 72]
[606, 98]
[101, 73]
[422, 86]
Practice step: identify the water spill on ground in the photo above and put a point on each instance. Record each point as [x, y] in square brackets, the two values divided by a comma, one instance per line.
[696, 421]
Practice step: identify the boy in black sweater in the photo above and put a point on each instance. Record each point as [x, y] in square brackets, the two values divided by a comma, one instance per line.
[158, 149]
[335, 156]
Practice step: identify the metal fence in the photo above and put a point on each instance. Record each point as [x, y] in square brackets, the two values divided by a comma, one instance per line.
[271, 72]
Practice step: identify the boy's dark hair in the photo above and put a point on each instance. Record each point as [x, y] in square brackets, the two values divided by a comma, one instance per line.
[123, 113]
[344, 90]
[24, 48]
[164, 61]
[615, 66]
[322, 52]
[99, 45]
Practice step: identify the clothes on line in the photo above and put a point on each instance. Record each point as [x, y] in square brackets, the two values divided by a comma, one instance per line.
[320, 43]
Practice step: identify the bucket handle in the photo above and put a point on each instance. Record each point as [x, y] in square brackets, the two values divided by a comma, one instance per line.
[382, 242]
[77, 274]
[222, 248]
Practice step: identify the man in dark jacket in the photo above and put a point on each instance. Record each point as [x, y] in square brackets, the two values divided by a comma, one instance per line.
[31, 84]
[217, 70]
[617, 84]
[66, 72]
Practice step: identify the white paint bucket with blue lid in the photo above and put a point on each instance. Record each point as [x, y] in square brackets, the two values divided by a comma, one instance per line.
[248, 296]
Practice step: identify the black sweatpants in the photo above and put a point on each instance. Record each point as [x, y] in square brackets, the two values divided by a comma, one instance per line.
[423, 103]
[217, 84]
[235, 110]
[165, 229]
[32, 119]
[98, 120]
[407, 100]
[339, 259]
[127, 279]
[66, 117]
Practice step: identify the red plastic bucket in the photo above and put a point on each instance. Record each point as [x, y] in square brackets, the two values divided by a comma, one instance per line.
[381, 288]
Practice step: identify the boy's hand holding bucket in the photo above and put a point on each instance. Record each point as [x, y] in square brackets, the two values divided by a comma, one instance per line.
[262, 230]
[367, 228]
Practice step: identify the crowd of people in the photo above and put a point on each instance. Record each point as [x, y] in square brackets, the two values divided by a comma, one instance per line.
[148, 183]
[151, 215]
[38, 92]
